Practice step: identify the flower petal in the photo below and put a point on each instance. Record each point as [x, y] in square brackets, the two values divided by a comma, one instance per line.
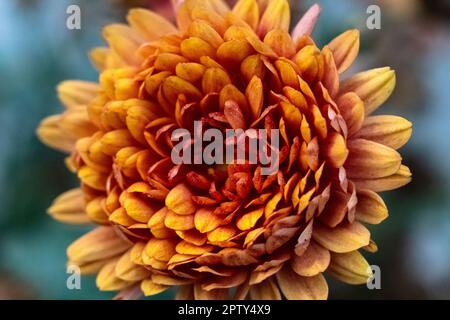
[368, 159]
[343, 238]
[248, 10]
[350, 267]
[69, 208]
[295, 287]
[392, 131]
[180, 200]
[399, 179]
[374, 87]
[352, 110]
[370, 208]
[98, 244]
[150, 25]
[313, 261]
[345, 49]
[276, 16]
[266, 290]
[307, 23]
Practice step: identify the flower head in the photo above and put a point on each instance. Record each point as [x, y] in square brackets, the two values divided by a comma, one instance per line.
[212, 228]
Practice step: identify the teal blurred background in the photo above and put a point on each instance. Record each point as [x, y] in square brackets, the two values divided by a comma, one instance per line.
[37, 52]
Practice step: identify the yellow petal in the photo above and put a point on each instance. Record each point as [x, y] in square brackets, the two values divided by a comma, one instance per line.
[98, 244]
[120, 217]
[214, 80]
[266, 290]
[248, 10]
[371, 160]
[150, 25]
[313, 261]
[179, 222]
[69, 208]
[255, 96]
[127, 270]
[92, 178]
[248, 220]
[138, 209]
[108, 281]
[276, 16]
[392, 131]
[161, 249]
[374, 87]
[343, 238]
[124, 41]
[370, 208]
[234, 51]
[74, 93]
[399, 179]
[345, 49]
[350, 267]
[96, 212]
[205, 220]
[149, 288]
[191, 72]
[50, 133]
[281, 42]
[253, 66]
[202, 30]
[180, 200]
[194, 48]
[295, 287]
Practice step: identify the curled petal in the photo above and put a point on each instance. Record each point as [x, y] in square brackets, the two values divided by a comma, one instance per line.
[370, 208]
[69, 208]
[399, 179]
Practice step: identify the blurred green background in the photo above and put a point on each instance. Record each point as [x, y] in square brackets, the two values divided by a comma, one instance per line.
[37, 52]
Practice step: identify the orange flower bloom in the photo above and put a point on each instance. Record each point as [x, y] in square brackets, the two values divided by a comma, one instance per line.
[208, 229]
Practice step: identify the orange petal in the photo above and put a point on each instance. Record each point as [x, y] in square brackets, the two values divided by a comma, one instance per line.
[179, 222]
[313, 261]
[399, 179]
[374, 87]
[124, 41]
[335, 150]
[370, 160]
[194, 48]
[50, 133]
[343, 238]
[96, 212]
[219, 282]
[187, 248]
[370, 208]
[266, 290]
[352, 110]
[137, 208]
[205, 220]
[392, 131]
[345, 49]
[161, 249]
[255, 96]
[201, 294]
[295, 287]
[350, 267]
[281, 43]
[201, 29]
[179, 200]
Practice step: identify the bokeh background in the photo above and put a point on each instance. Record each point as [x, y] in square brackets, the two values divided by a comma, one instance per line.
[37, 52]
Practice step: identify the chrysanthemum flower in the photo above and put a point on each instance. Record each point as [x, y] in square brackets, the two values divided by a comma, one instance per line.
[226, 231]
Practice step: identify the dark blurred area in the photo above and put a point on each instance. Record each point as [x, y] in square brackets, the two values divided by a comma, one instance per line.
[38, 51]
